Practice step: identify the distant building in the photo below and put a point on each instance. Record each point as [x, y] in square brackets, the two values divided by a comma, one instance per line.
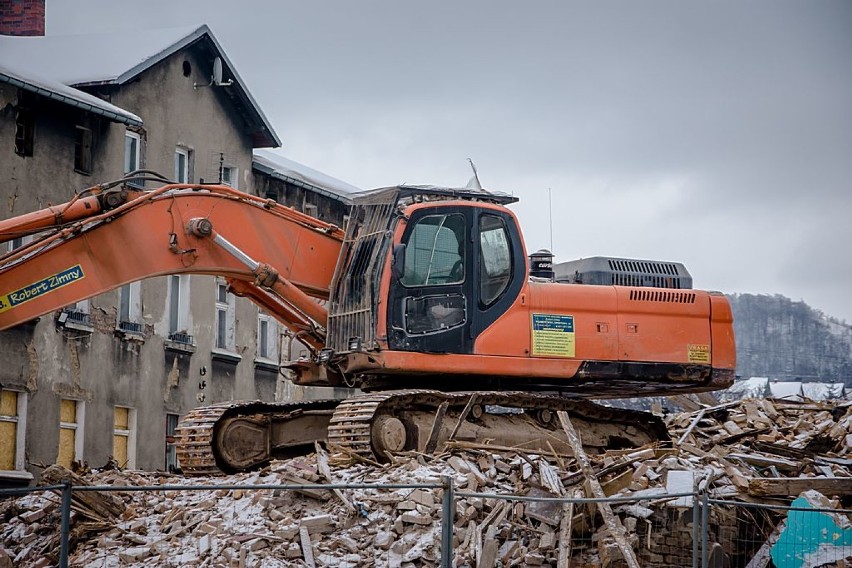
[111, 376]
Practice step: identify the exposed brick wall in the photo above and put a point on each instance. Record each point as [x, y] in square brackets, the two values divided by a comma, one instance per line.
[22, 17]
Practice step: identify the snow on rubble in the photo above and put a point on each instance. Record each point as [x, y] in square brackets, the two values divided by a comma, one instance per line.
[746, 451]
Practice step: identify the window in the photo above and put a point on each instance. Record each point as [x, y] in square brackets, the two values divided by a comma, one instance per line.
[267, 337]
[434, 253]
[124, 437]
[229, 176]
[224, 317]
[495, 259]
[132, 146]
[431, 314]
[13, 420]
[130, 308]
[76, 316]
[179, 308]
[24, 126]
[181, 165]
[71, 413]
[312, 210]
[83, 150]
[171, 447]
[18, 242]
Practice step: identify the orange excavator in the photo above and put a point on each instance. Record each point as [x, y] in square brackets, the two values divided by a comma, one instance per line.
[426, 303]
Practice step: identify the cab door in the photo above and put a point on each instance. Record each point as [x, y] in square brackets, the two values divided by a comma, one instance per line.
[462, 268]
[429, 309]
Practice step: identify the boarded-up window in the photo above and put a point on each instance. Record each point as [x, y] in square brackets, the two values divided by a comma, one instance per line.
[68, 431]
[8, 429]
[121, 435]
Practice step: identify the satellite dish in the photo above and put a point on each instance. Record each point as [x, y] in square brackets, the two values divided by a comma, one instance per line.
[216, 78]
[217, 71]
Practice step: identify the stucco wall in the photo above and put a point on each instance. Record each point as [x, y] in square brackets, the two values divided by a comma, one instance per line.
[98, 368]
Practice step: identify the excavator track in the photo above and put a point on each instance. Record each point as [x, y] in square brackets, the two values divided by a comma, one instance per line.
[375, 424]
[239, 436]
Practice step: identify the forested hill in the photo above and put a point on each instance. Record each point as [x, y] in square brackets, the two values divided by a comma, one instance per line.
[787, 340]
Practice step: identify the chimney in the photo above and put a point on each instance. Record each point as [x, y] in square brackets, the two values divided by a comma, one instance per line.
[22, 17]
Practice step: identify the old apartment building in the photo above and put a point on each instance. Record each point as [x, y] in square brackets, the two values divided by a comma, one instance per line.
[111, 376]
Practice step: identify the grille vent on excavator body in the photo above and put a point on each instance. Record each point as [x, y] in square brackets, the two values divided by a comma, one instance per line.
[605, 271]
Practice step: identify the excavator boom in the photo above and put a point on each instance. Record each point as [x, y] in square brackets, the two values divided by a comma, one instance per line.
[278, 257]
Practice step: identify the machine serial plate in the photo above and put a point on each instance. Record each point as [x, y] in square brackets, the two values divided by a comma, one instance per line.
[552, 335]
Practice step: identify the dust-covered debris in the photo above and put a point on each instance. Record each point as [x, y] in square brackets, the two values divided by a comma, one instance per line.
[728, 450]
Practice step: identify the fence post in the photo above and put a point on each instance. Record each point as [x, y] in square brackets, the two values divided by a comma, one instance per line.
[705, 514]
[695, 528]
[448, 504]
[66, 523]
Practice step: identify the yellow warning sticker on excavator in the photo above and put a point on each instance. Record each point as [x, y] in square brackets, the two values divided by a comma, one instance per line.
[43, 286]
[552, 335]
[698, 353]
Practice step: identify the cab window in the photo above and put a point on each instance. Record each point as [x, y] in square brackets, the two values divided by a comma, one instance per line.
[434, 252]
[495, 265]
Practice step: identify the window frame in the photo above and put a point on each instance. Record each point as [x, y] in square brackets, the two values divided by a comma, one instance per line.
[225, 312]
[133, 315]
[270, 344]
[20, 421]
[459, 244]
[83, 154]
[482, 270]
[171, 463]
[185, 153]
[24, 131]
[233, 175]
[77, 427]
[129, 134]
[129, 433]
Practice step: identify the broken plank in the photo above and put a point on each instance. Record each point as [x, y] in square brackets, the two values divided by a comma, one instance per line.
[612, 522]
[307, 547]
[463, 416]
[793, 486]
[432, 443]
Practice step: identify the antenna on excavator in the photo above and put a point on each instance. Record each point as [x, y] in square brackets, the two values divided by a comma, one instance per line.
[474, 181]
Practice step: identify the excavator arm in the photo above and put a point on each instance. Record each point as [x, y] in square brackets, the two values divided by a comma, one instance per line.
[107, 236]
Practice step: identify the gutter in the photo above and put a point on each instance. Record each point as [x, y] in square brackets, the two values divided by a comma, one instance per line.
[129, 119]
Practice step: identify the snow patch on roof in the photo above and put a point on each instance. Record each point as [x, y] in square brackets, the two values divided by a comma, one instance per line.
[69, 95]
[278, 166]
[88, 59]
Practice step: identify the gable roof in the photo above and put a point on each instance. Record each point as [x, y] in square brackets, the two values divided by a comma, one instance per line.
[110, 59]
[298, 174]
[64, 94]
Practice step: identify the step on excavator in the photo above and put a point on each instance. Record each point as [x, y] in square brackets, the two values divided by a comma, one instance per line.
[426, 303]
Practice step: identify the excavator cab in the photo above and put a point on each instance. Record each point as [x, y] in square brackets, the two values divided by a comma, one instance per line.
[424, 270]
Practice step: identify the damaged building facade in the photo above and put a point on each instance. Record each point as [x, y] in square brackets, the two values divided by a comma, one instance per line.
[111, 376]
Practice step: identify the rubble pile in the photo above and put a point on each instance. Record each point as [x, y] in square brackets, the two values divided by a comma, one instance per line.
[749, 451]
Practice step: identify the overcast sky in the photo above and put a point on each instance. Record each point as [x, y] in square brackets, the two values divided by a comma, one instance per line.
[717, 134]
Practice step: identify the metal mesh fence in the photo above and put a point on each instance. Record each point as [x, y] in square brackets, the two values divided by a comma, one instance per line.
[270, 525]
